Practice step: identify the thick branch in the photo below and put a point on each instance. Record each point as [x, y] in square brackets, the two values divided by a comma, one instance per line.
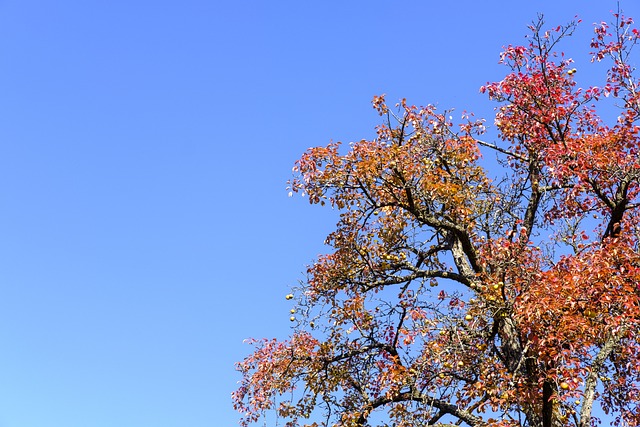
[592, 378]
[618, 210]
[534, 199]
[419, 274]
[349, 354]
[444, 407]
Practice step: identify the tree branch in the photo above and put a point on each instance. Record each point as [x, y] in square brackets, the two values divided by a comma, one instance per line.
[592, 378]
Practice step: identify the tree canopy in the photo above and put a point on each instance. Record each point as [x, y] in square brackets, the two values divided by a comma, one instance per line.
[464, 290]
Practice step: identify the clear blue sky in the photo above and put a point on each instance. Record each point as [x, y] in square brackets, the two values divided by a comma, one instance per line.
[145, 230]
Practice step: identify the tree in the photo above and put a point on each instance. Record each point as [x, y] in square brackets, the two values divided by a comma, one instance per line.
[454, 296]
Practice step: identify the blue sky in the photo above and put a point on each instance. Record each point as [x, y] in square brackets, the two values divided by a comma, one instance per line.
[145, 230]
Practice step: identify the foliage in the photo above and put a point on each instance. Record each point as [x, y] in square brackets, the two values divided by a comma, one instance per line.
[453, 296]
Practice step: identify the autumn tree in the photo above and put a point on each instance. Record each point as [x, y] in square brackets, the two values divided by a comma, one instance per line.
[460, 293]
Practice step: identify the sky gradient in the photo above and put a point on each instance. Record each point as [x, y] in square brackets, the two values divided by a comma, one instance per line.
[145, 229]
